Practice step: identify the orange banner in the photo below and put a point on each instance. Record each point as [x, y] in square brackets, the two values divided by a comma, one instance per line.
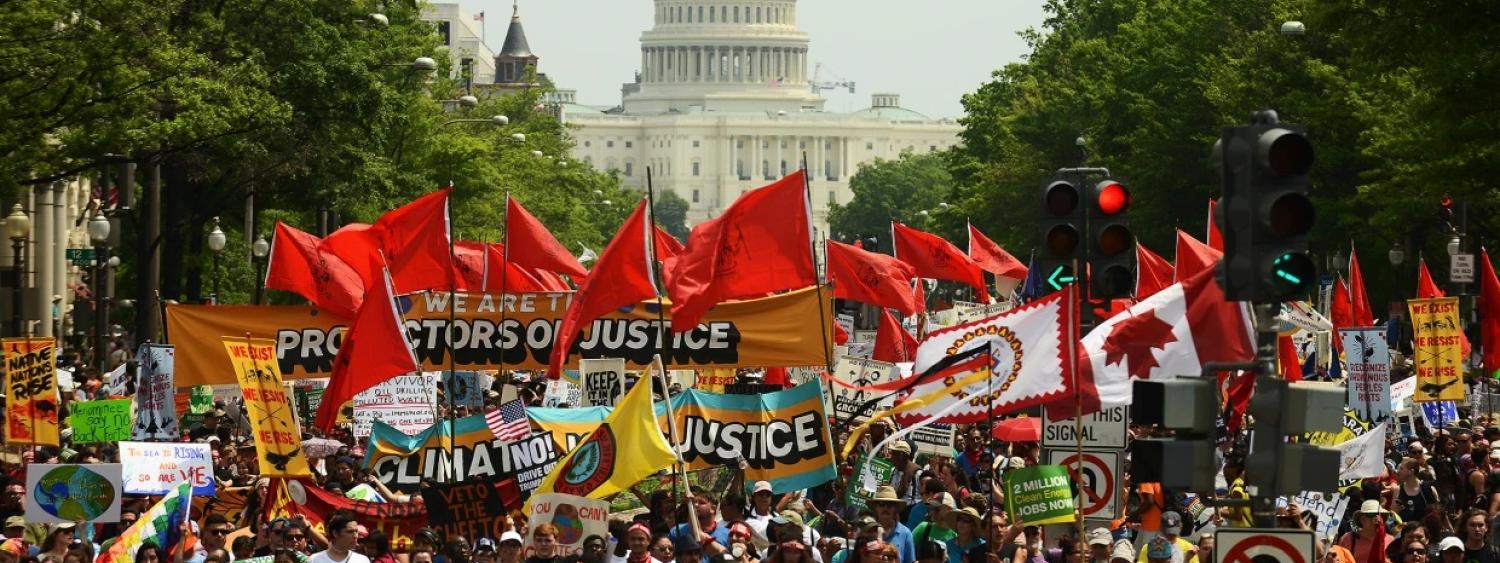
[769, 332]
[31, 404]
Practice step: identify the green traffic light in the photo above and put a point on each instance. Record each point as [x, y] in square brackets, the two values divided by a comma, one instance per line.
[1060, 277]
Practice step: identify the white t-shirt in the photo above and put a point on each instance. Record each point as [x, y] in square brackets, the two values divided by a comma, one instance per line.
[323, 557]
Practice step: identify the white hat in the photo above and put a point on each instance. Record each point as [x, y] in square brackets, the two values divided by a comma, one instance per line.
[1371, 507]
[1450, 542]
[761, 487]
[511, 536]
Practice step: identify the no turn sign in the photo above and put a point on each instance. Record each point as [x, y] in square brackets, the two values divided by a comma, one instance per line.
[1254, 545]
[1097, 475]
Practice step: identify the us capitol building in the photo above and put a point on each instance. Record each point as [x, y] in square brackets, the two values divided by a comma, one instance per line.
[723, 103]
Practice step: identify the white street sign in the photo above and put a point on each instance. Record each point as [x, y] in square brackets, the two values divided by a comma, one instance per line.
[1104, 429]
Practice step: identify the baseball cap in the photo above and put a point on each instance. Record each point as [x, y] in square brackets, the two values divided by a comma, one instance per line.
[1123, 550]
[761, 487]
[511, 536]
[945, 500]
[1160, 548]
[792, 517]
[484, 545]
[1450, 542]
[1101, 536]
[1171, 523]
[866, 523]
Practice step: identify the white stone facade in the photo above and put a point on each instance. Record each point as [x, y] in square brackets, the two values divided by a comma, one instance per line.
[465, 42]
[725, 105]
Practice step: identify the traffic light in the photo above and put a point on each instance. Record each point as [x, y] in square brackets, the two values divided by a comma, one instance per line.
[1188, 406]
[1265, 212]
[1112, 257]
[1062, 224]
[1282, 409]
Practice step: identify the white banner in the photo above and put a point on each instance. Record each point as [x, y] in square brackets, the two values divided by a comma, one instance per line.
[844, 402]
[155, 418]
[1368, 368]
[406, 402]
[1364, 456]
[603, 381]
[152, 468]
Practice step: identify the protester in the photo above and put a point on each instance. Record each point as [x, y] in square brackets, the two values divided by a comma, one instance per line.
[343, 535]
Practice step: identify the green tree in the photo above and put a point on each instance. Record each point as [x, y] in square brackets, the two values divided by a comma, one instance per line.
[911, 189]
[671, 214]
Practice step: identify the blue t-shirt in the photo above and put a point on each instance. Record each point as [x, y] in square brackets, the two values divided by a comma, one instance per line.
[956, 552]
[901, 539]
[683, 532]
[917, 515]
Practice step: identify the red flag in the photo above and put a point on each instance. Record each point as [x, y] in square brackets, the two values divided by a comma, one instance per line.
[1489, 313]
[533, 246]
[299, 265]
[935, 258]
[1172, 333]
[358, 245]
[501, 276]
[1363, 315]
[667, 245]
[871, 278]
[893, 343]
[993, 259]
[777, 376]
[622, 277]
[374, 350]
[1152, 272]
[469, 265]
[1215, 238]
[1193, 256]
[1426, 288]
[1340, 311]
[550, 281]
[760, 244]
[415, 237]
[1286, 355]
[840, 336]
[1237, 399]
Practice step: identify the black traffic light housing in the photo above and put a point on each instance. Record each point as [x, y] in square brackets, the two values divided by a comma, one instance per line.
[1062, 230]
[1112, 254]
[1189, 407]
[1265, 212]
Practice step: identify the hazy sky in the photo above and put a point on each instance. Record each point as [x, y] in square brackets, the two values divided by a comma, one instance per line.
[930, 52]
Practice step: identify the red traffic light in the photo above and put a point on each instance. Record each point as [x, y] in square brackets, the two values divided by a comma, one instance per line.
[1111, 197]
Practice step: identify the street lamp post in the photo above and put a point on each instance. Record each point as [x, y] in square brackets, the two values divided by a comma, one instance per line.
[260, 249]
[98, 229]
[216, 242]
[17, 228]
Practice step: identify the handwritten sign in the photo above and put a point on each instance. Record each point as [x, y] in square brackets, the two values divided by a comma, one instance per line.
[472, 509]
[155, 468]
[467, 388]
[405, 402]
[844, 403]
[100, 421]
[278, 442]
[562, 393]
[72, 493]
[1438, 349]
[155, 418]
[1368, 366]
[576, 518]
[603, 381]
[31, 404]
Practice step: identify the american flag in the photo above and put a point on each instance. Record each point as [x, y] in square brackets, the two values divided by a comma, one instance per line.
[479, 17]
[509, 422]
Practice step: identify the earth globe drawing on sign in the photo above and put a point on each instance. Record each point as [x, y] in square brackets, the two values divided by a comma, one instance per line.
[74, 493]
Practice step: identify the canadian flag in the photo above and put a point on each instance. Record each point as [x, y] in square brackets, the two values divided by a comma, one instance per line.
[1170, 334]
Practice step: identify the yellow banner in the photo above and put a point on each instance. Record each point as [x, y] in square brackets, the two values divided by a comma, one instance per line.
[277, 439]
[31, 401]
[1438, 349]
[770, 332]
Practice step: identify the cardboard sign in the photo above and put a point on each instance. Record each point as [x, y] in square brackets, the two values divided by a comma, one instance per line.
[1039, 495]
[100, 421]
[406, 402]
[872, 473]
[844, 403]
[472, 509]
[603, 381]
[59, 493]
[277, 438]
[1326, 510]
[1367, 364]
[155, 468]
[577, 519]
[466, 388]
[31, 399]
[1438, 349]
[936, 439]
[1107, 428]
[155, 414]
[562, 393]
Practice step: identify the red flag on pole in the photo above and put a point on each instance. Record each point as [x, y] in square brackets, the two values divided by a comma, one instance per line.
[1489, 314]
[506, 275]
[935, 258]
[1363, 315]
[1193, 256]
[469, 265]
[993, 259]
[667, 245]
[1340, 311]
[893, 343]
[1426, 288]
[871, 278]
[1152, 272]
[357, 244]
[415, 237]
[1286, 355]
[622, 277]
[760, 244]
[374, 350]
[1215, 238]
[298, 264]
[533, 246]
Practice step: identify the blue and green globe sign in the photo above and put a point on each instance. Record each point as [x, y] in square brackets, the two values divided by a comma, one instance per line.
[74, 493]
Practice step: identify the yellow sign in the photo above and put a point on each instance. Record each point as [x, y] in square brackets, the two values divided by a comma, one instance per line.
[1438, 348]
[31, 401]
[769, 332]
[277, 439]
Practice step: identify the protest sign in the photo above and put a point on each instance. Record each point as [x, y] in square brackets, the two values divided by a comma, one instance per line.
[155, 468]
[1367, 365]
[405, 402]
[466, 388]
[872, 473]
[936, 439]
[1437, 349]
[308, 395]
[199, 399]
[471, 509]
[562, 393]
[100, 421]
[71, 493]
[1039, 495]
[31, 400]
[780, 330]
[277, 438]
[577, 519]
[1326, 509]
[399, 521]
[603, 381]
[844, 403]
[155, 417]
[714, 380]
[402, 462]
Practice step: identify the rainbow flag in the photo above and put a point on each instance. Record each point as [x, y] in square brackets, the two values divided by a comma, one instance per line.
[162, 525]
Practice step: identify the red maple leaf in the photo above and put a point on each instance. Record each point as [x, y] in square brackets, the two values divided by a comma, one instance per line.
[1134, 339]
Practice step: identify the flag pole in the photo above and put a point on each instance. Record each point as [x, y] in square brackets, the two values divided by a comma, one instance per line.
[504, 268]
[661, 347]
[1073, 320]
[452, 474]
[823, 316]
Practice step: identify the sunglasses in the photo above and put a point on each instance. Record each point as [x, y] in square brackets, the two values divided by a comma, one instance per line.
[1415, 551]
[295, 537]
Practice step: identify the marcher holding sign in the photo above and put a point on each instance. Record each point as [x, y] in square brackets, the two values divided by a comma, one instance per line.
[1039, 495]
[1367, 363]
[31, 400]
[278, 441]
[1438, 348]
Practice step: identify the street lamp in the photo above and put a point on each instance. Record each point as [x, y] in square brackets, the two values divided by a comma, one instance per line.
[537, 153]
[1455, 244]
[260, 249]
[1293, 28]
[1397, 255]
[98, 229]
[216, 241]
[17, 228]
